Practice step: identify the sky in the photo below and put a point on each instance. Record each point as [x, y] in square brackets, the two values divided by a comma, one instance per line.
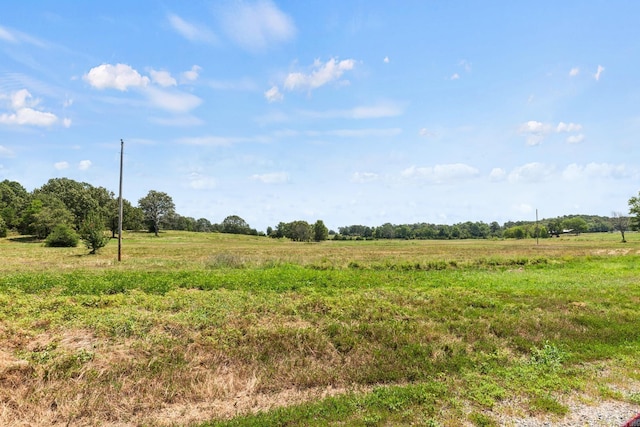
[345, 111]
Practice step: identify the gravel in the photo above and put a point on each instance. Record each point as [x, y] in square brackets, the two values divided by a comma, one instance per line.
[602, 414]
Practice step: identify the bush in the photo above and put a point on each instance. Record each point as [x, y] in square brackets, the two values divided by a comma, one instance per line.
[92, 232]
[62, 236]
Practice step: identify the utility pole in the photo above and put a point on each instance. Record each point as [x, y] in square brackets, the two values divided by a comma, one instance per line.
[120, 205]
[537, 228]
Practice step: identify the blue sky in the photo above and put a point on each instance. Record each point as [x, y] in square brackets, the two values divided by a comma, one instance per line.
[353, 112]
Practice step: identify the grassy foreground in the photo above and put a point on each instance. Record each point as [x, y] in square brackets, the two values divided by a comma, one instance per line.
[210, 329]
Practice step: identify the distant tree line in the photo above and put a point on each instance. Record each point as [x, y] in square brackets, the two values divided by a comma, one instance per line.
[77, 209]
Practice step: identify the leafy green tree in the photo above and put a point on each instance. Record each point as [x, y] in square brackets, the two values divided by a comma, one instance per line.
[3, 228]
[320, 231]
[92, 232]
[634, 211]
[62, 236]
[156, 206]
[576, 224]
[233, 224]
[299, 231]
[79, 198]
[203, 225]
[13, 200]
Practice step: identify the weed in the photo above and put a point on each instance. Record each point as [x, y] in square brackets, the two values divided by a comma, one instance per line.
[549, 356]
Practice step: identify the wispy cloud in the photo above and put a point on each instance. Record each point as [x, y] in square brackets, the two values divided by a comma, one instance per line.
[376, 111]
[162, 78]
[574, 72]
[597, 171]
[199, 181]
[271, 178]
[190, 31]
[256, 26]
[273, 94]
[441, 174]
[531, 172]
[598, 73]
[363, 177]
[5, 152]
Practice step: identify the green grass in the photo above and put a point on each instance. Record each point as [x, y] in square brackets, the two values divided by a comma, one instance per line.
[406, 332]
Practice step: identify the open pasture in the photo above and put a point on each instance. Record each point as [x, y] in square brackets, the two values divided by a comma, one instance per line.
[214, 329]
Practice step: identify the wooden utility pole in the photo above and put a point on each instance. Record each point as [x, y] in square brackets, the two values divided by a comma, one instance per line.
[120, 205]
[537, 228]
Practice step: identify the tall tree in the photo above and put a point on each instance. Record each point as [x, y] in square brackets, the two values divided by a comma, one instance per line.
[157, 206]
[233, 224]
[320, 231]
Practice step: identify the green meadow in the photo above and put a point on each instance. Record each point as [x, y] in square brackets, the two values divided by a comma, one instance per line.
[209, 329]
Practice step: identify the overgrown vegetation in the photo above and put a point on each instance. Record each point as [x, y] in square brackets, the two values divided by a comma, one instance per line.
[214, 329]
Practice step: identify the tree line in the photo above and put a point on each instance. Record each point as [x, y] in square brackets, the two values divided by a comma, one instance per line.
[69, 210]
[64, 210]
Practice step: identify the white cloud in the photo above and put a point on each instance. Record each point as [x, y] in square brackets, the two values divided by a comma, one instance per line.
[386, 60]
[321, 75]
[271, 178]
[568, 127]
[574, 72]
[193, 74]
[172, 100]
[497, 174]
[466, 65]
[255, 26]
[198, 181]
[23, 113]
[599, 72]
[454, 76]
[66, 122]
[21, 99]
[274, 95]
[84, 165]
[362, 177]
[535, 131]
[162, 78]
[531, 172]
[119, 76]
[575, 139]
[191, 32]
[440, 174]
[29, 116]
[61, 165]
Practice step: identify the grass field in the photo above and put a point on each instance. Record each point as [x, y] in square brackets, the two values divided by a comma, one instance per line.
[213, 329]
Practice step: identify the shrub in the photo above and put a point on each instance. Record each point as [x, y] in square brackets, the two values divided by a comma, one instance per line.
[62, 236]
[92, 232]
